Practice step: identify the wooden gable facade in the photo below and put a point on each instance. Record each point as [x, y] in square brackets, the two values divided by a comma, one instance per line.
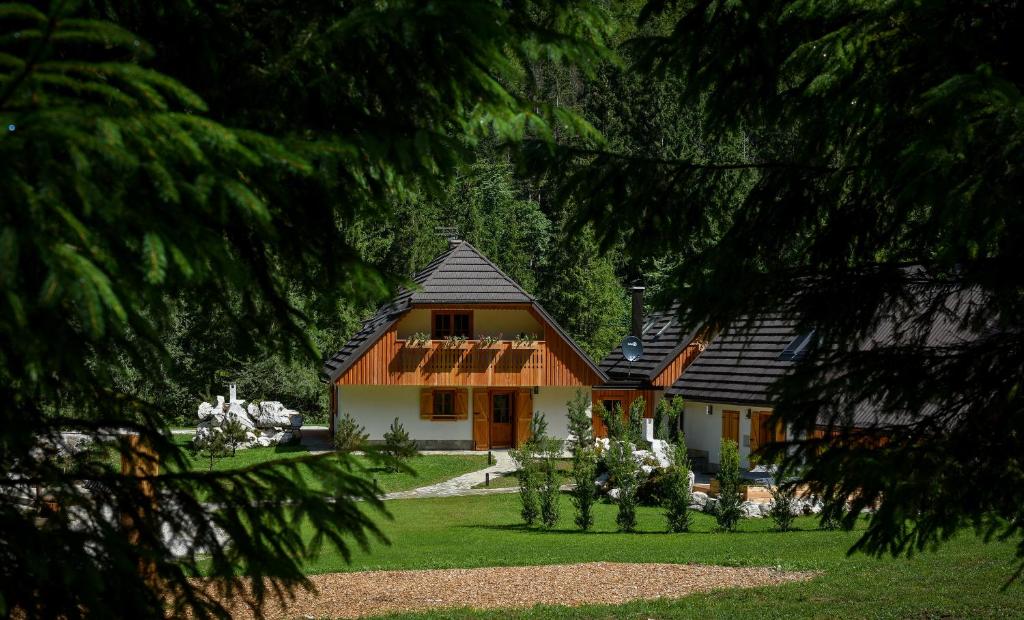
[550, 360]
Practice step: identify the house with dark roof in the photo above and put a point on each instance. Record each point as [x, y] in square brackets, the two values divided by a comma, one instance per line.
[727, 387]
[463, 358]
[668, 350]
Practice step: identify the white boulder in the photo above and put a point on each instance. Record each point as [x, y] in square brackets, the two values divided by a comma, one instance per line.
[206, 410]
[698, 500]
[662, 450]
[751, 510]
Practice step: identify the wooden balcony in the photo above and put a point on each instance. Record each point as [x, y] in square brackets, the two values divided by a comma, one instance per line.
[502, 363]
[392, 361]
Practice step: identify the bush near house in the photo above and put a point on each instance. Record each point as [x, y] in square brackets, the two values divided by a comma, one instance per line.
[398, 446]
[349, 435]
[584, 461]
[677, 496]
[727, 508]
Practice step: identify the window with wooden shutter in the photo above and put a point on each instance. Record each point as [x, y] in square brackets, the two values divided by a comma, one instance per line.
[461, 404]
[444, 405]
[426, 404]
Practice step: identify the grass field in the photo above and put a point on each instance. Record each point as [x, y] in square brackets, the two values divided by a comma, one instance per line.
[427, 469]
[962, 579]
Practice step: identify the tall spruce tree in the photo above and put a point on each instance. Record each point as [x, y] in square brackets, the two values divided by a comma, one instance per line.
[121, 187]
[865, 137]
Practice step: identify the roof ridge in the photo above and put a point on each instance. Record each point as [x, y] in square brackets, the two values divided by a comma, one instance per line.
[438, 261]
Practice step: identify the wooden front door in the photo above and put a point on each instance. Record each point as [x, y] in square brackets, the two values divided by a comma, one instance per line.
[481, 420]
[762, 431]
[502, 407]
[523, 416]
[731, 426]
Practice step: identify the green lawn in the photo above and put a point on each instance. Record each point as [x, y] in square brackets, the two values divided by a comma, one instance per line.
[962, 579]
[427, 469]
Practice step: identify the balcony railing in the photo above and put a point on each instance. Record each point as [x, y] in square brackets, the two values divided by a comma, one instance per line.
[498, 361]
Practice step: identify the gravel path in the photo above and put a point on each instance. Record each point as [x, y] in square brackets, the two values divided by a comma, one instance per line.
[353, 595]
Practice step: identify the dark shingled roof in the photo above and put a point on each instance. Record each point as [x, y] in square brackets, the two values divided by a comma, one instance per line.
[460, 275]
[740, 364]
[663, 339]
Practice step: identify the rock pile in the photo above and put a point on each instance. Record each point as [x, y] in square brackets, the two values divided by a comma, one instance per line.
[268, 423]
[753, 510]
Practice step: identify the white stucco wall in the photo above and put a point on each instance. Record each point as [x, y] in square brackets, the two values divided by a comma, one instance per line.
[553, 403]
[488, 322]
[375, 407]
[704, 432]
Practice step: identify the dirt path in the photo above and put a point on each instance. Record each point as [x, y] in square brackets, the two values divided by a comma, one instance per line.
[352, 595]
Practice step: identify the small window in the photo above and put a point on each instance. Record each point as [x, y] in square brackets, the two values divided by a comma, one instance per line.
[797, 349]
[610, 405]
[452, 324]
[444, 403]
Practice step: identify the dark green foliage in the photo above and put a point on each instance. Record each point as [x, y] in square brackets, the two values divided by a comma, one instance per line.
[635, 425]
[612, 420]
[581, 426]
[832, 517]
[832, 145]
[549, 507]
[727, 509]
[652, 488]
[529, 475]
[349, 435]
[131, 202]
[545, 452]
[667, 418]
[584, 493]
[582, 291]
[584, 460]
[398, 445]
[213, 447]
[677, 496]
[234, 434]
[783, 505]
[624, 476]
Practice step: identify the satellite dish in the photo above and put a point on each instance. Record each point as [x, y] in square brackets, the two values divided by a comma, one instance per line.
[632, 348]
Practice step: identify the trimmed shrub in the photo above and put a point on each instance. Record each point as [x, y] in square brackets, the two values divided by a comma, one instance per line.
[532, 475]
[832, 517]
[666, 418]
[529, 483]
[398, 445]
[612, 421]
[652, 487]
[213, 448]
[234, 435]
[349, 435]
[727, 509]
[677, 492]
[624, 473]
[635, 427]
[783, 505]
[584, 461]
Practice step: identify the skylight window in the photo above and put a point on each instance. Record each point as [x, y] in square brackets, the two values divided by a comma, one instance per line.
[797, 349]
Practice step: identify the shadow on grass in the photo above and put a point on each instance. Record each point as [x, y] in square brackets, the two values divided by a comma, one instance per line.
[533, 529]
[290, 448]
